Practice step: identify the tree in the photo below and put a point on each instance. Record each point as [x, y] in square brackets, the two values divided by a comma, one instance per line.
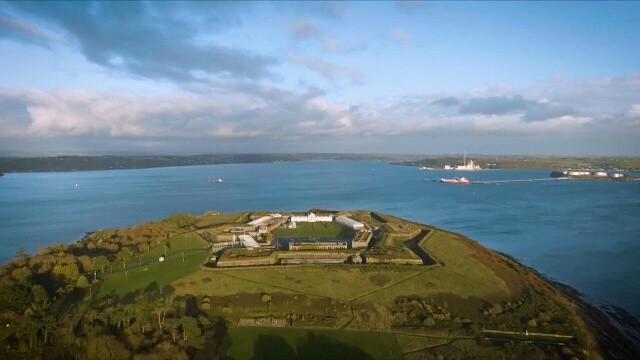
[100, 262]
[123, 256]
[87, 263]
[21, 274]
[173, 326]
[39, 297]
[69, 271]
[82, 282]
[167, 291]
[191, 332]
[105, 347]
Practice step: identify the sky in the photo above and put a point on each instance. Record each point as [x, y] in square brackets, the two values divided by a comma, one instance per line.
[409, 77]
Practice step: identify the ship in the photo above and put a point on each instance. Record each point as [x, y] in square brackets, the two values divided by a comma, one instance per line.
[456, 181]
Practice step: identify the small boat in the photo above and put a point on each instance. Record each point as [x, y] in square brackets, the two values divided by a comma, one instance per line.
[425, 168]
[216, 181]
[456, 181]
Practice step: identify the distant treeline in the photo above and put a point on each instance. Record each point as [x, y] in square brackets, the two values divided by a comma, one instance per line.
[85, 163]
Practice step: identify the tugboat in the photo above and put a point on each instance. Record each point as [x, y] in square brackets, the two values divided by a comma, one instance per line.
[456, 181]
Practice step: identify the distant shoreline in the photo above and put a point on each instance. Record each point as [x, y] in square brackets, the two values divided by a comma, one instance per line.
[71, 163]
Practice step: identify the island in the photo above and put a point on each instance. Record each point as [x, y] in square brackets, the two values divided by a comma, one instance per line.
[318, 284]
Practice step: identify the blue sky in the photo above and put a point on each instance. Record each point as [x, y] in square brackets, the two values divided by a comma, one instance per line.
[409, 77]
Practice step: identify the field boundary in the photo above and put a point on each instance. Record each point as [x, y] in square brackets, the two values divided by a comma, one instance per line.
[279, 287]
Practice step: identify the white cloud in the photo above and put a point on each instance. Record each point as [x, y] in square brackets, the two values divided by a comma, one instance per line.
[252, 112]
[634, 115]
[329, 71]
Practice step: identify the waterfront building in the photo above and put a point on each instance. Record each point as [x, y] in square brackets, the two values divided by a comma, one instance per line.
[468, 166]
[578, 173]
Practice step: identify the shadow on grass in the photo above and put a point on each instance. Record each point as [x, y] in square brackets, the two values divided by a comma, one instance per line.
[312, 347]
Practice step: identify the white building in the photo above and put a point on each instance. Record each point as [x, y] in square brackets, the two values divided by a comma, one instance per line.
[311, 217]
[469, 166]
[579, 173]
[264, 219]
[260, 220]
[350, 223]
[248, 241]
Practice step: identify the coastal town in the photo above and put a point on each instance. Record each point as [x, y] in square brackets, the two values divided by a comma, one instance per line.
[583, 172]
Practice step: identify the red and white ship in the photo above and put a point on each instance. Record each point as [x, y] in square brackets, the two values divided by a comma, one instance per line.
[456, 181]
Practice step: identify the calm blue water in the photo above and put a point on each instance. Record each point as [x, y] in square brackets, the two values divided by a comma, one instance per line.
[582, 233]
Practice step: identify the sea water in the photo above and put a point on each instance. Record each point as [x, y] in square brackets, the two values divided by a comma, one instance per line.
[583, 233]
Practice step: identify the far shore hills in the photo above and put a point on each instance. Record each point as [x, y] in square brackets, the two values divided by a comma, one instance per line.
[64, 163]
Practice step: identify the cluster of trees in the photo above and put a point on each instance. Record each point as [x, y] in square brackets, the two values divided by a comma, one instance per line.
[46, 299]
[137, 239]
[416, 311]
[535, 311]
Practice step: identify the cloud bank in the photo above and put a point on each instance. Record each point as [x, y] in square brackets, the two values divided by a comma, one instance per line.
[267, 112]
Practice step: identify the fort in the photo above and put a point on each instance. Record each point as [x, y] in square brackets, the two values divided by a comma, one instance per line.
[316, 238]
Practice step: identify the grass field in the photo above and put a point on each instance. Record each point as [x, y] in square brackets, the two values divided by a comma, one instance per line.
[286, 343]
[220, 219]
[320, 230]
[173, 268]
[463, 274]
[464, 281]
[337, 282]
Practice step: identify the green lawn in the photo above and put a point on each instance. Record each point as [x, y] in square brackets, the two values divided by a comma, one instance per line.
[462, 275]
[174, 267]
[320, 230]
[287, 343]
[338, 282]
[211, 220]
